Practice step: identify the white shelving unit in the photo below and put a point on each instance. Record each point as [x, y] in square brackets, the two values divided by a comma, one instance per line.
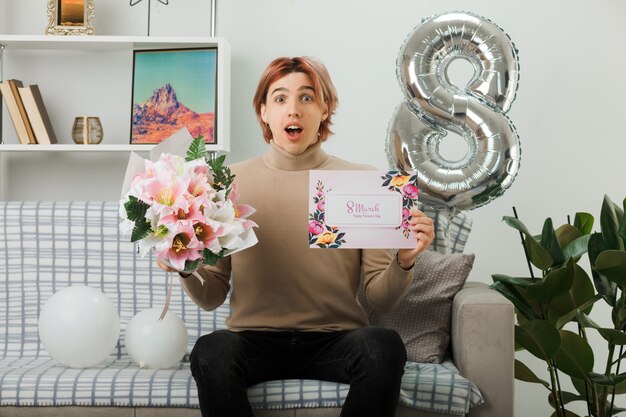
[129, 44]
[37, 52]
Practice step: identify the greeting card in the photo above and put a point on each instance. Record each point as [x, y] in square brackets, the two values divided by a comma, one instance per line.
[361, 209]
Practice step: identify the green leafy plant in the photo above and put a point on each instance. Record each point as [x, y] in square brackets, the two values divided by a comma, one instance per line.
[553, 308]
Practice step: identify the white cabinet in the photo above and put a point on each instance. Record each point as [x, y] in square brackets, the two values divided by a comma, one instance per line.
[86, 76]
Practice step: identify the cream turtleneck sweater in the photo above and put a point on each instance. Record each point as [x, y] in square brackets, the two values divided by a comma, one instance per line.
[281, 283]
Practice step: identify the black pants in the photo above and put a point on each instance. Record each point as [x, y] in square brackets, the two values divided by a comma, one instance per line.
[370, 359]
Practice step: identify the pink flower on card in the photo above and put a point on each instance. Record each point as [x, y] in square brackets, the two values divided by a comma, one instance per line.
[405, 212]
[321, 206]
[315, 227]
[409, 190]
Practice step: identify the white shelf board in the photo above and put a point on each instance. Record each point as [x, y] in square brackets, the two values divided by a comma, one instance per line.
[104, 43]
[75, 148]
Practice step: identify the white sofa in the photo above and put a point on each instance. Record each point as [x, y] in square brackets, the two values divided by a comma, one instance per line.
[46, 246]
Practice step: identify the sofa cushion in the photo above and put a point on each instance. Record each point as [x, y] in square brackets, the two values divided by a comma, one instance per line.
[423, 317]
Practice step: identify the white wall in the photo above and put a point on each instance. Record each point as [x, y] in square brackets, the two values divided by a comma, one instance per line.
[569, 109]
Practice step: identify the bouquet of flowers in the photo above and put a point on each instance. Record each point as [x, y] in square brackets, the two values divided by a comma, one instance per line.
[186, 210]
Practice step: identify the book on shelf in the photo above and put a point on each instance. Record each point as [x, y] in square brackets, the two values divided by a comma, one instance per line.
[15, 106]
[15, 85]
[37, 114]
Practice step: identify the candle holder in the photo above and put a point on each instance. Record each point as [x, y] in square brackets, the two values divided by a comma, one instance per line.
[87, 130]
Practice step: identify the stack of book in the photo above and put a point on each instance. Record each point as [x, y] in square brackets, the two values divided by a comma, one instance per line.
[27, 112]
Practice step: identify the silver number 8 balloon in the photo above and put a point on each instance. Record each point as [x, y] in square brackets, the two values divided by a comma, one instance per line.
[477, 113]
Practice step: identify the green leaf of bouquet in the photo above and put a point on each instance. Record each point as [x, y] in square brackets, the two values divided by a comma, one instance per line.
[197, 150]
[141, 230]
[550, 242]
[610, 217]
[612, 264]
[583, 222]
[218, 163]
[210, 258]
[523, 373]
[222, 177]
[539, 337]
[136, 209]
[579, 293]
[192, 265]
[574, 357]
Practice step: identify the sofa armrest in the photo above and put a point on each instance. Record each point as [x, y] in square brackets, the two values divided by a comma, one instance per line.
[483, 346]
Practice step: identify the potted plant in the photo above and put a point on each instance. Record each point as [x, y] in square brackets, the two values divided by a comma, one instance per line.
[553, 307]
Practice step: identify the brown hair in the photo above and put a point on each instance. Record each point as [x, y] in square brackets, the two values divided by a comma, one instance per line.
[322, 84]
